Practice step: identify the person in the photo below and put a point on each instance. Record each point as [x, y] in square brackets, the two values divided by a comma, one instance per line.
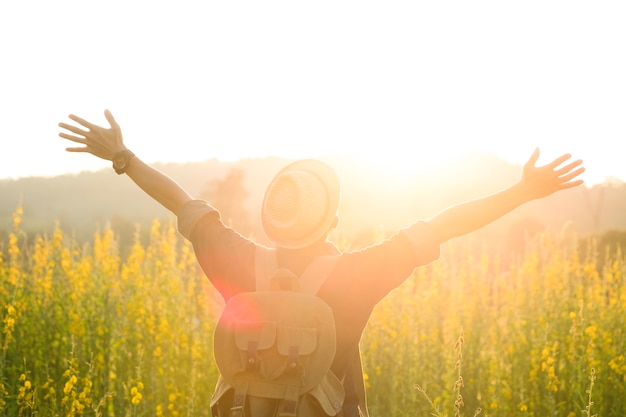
[298, 211]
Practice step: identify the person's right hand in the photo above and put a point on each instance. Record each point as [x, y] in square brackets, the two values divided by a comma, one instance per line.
[99, 141]
[541, 181]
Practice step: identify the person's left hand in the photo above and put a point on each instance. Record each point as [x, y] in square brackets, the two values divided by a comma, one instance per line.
[99, 141]
[544, 180]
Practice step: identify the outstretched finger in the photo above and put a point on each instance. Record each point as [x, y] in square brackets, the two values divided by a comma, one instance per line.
[109, 116]
[567, 168]
[83, 122]
[72, 138]
[77, 149]
[73, 129]
[558, 161]
[566, 178]
[533, 158]
[571, 184]
[116, 128]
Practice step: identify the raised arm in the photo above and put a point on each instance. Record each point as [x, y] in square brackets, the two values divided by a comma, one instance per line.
[536, 182]
[107, 143]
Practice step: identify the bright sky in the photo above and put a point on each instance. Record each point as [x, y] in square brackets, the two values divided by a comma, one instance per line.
[404, 81]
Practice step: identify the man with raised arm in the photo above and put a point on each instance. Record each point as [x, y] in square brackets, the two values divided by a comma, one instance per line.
[298, 211]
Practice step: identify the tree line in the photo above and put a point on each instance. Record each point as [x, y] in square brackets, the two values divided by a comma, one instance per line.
[83, 203]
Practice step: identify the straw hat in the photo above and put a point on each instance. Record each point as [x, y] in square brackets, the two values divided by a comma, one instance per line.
[300, 204]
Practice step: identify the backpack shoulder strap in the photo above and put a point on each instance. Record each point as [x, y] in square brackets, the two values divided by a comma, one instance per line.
[316, 273]
[265, 264]
[356, 371]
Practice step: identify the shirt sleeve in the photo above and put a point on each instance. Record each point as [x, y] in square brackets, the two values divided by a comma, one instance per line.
[191, 213]
[225, 256]
[422, 239]
[377, 269]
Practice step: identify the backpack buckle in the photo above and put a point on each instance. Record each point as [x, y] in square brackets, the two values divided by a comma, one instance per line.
[239, 399]
[237, 411]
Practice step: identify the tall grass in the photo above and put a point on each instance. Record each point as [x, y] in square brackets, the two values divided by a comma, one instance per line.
[87, 331]
[536, 329]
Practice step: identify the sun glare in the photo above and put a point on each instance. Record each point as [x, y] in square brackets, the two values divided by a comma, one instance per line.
[403, 166]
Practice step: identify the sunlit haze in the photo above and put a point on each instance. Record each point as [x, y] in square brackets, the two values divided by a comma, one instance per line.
[402, 84]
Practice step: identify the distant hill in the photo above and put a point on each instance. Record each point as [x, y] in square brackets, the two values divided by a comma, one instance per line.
[82, 203]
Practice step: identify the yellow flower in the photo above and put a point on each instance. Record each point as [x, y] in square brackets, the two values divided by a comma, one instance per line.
[67, 388]
[592, 332]
[17, 217]
[136, 398]
[618, 364]
[135, 395]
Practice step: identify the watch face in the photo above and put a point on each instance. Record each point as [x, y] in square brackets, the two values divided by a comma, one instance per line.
[119, 162]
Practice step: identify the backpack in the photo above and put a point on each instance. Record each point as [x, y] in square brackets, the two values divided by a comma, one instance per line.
[274, 346]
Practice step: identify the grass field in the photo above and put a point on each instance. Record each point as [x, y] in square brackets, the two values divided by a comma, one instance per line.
[87, 331]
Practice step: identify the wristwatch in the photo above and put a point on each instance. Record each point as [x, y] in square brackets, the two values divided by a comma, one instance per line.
[120, 161]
